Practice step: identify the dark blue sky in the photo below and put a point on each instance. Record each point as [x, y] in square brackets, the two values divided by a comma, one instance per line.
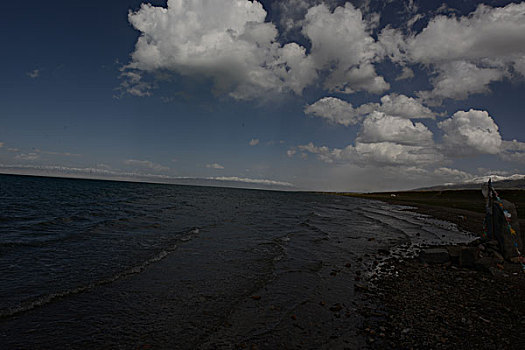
[221, 97]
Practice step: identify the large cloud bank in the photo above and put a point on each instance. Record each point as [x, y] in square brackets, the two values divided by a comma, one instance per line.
[465, 53]
[396, 140]
[230, 43]
[341, 42]
[380, 127]
[337, 111]
[470, 133]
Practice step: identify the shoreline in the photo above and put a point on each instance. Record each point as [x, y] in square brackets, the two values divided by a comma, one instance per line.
[421, 305]
[465, 208]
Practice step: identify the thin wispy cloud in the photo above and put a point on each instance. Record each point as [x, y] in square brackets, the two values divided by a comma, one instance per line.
[102, 171]
[252, 181]
[35, 73]
[63, 154]
[466, 53]
[27, 156]
[146, 164]
[214, 166]
[37, 153]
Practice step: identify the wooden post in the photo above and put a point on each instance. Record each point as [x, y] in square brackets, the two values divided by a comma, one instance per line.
[491, 196]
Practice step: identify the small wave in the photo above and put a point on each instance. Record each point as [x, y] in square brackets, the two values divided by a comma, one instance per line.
[315, 228]
[278, 257]
[55, 221]
[190, 235]
[34, 243]
[46, 299]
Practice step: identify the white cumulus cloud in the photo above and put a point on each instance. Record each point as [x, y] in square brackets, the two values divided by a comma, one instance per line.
[341, 42]
[291, 13]
[395, 154]
[334, 110]
[470, 133]
[488, 33]
[400, 106]
[35, 73]
[376, 154]
[230, 43]
[466, 52]
[459, 79]
[406, 73]
[379, 127]
[214, 166]
[385, 140]
[226, 41]
[338, 111]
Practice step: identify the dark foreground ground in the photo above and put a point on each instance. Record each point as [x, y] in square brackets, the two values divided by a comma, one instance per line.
[443, 306]
[446, 306]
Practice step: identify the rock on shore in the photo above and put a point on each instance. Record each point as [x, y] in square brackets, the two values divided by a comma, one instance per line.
[444, 305]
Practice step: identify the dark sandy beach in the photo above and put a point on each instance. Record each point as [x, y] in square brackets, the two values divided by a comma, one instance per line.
[421, 306]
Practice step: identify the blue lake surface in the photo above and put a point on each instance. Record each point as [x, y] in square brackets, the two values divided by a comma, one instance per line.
[102, 264]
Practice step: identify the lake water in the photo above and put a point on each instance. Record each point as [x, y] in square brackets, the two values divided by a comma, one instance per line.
[101, 264]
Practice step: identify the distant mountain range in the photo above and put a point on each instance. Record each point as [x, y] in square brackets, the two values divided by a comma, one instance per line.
[515, 181]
